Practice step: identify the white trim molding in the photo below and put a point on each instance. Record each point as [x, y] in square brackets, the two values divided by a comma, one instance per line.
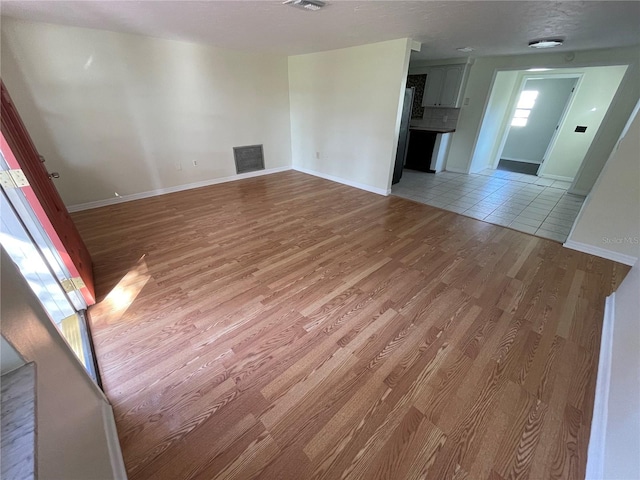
[557, 177]
[601, 252]
[597, 440]
[461, 170]
[581, 193]
[178, 188]
[361, 186]
[115, 452]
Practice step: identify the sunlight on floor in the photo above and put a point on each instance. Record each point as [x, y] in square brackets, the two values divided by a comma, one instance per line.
[116, 303]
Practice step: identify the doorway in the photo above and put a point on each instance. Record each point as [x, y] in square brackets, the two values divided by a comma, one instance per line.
[590, 104]
[540, 109]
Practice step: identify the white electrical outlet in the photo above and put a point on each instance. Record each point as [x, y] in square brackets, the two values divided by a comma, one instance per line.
[318, 155]
[178, 165]
[195, 163]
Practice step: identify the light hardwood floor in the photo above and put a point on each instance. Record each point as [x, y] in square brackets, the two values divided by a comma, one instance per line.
[287, 327]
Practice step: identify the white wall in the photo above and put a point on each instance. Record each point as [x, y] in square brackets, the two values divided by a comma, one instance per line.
[479, 86]
[114, 112]
[345, 109]
[72, 436]
[496, 120]
[609, 222]
[594, 93]
[622, 436]
[529, 142]
[609, 225]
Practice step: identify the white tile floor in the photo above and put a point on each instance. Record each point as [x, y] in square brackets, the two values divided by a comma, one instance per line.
[530, 204]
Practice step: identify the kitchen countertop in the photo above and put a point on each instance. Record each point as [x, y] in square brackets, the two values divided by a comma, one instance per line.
[418, 125]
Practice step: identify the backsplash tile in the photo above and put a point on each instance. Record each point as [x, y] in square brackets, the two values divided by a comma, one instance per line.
[418, 83]
[434, 117]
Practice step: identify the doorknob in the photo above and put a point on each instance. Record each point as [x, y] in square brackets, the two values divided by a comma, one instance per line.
[42, 159]
[54, 175]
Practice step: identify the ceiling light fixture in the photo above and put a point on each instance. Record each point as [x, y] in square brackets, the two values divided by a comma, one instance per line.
[313, 5]
[538, 69]
[465, 49]
[547, 43]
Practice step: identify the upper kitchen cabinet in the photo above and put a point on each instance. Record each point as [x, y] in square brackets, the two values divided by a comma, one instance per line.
[433, 87]
[444, 86]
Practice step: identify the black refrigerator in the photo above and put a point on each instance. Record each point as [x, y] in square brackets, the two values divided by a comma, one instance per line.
[403, 138]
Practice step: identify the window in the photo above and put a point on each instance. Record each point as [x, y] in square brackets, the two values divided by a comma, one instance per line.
[523, 109]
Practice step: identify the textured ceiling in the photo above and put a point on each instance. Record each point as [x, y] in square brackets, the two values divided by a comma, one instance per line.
[492, 28]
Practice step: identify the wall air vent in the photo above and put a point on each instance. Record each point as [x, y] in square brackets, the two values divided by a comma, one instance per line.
[312, 5]
[249, 158]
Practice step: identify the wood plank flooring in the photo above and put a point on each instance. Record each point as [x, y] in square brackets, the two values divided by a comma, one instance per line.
[287, 327]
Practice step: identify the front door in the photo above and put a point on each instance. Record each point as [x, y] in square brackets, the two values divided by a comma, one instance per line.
[20, 154]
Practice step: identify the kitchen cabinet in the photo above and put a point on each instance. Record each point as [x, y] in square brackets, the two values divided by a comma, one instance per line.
[444, 86]
[433, 87]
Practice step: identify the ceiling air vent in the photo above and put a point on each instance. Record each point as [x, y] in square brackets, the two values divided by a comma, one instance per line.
[312, 5]
[249, 158]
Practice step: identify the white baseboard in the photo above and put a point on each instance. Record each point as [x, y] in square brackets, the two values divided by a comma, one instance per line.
[556, 177]
[456, 170]
[178, 188]
[473, 170]
[115, 453]
[582, 193]
[595, 456]
[350, 183]
[601, 252]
